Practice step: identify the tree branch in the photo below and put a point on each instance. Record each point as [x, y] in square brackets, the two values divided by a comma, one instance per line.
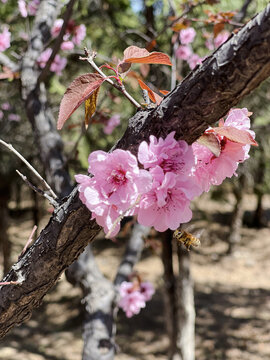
[58, 41]
[207, 94]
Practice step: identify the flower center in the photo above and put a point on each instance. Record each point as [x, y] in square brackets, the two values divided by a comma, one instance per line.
[118, 177]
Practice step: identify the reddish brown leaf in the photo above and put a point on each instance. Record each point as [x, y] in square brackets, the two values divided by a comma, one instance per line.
[235, 135]
[134, 54]
[150, 92]
[150, 46]
[211, 141]
[79, 90]
[90, 107]
[218, 28]
[164, 92]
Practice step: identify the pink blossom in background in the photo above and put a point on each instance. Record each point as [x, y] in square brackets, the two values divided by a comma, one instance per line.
[1, 114]
[132, 303]
[67, 45]
[111, 124]
[115, 186]
[147, 290]
[209, 44]
[221, 38]
[187, 36]
[57, 27]
[5, 39]
[4, 1]
[6, 106]
[134, 296]
[211, 170]
[183, 52]
[57, 65]
[166, 205]
[22, 8]
[194, 60]
[33, 7]
[14, 117]
[79, 34]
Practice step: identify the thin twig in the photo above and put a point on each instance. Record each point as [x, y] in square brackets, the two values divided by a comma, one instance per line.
[10, 283]
[11, 148]
[30, 239]
[90, 59]
[37, 190]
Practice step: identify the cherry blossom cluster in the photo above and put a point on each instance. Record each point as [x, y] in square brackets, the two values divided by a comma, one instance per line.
[111, 124]
[6, 110]
[133, 296]
[4, 39]
[184, 51]
[187, 36]
[28, 8]
[169, 175]
[74, 36]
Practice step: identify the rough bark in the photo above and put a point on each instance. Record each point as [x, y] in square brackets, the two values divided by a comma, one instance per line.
[207, 94]
[99, 295]
[5, 244]
[34, 94]
[185, 308]
[170, 292]
[132, 254]
[238, 213]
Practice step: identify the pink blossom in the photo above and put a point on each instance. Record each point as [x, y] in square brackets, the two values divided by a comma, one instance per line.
[131, 301]
[5, 39]
[115, 186]
[183, 52]
[33, 7]
[166, 205]
[57, 27]
[194, 60]
[221, 38]
[79, 34]
[147, 290]
[6, 106]
[169, 154]
[22, 8]
[14, 117]
[4, 1]
[211, 170]
[67, 45]
[209, 44]
[57, 65]
[111, 124]
[187, 36]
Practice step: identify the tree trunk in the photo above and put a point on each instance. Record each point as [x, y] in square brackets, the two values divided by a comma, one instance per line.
[5, 243]
[238, 213]
[170, 296]
[185, 307]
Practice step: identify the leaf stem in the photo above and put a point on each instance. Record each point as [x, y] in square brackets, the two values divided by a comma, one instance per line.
[90, 59]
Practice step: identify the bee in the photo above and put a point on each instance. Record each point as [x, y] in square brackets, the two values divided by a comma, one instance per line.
[186, 238]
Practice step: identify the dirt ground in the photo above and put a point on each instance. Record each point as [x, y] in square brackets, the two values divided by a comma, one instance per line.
[232, 297]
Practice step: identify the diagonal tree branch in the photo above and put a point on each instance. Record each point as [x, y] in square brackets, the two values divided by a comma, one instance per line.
[235, 69]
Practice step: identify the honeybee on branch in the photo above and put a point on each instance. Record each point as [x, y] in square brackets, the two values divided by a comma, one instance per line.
[186, 238]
